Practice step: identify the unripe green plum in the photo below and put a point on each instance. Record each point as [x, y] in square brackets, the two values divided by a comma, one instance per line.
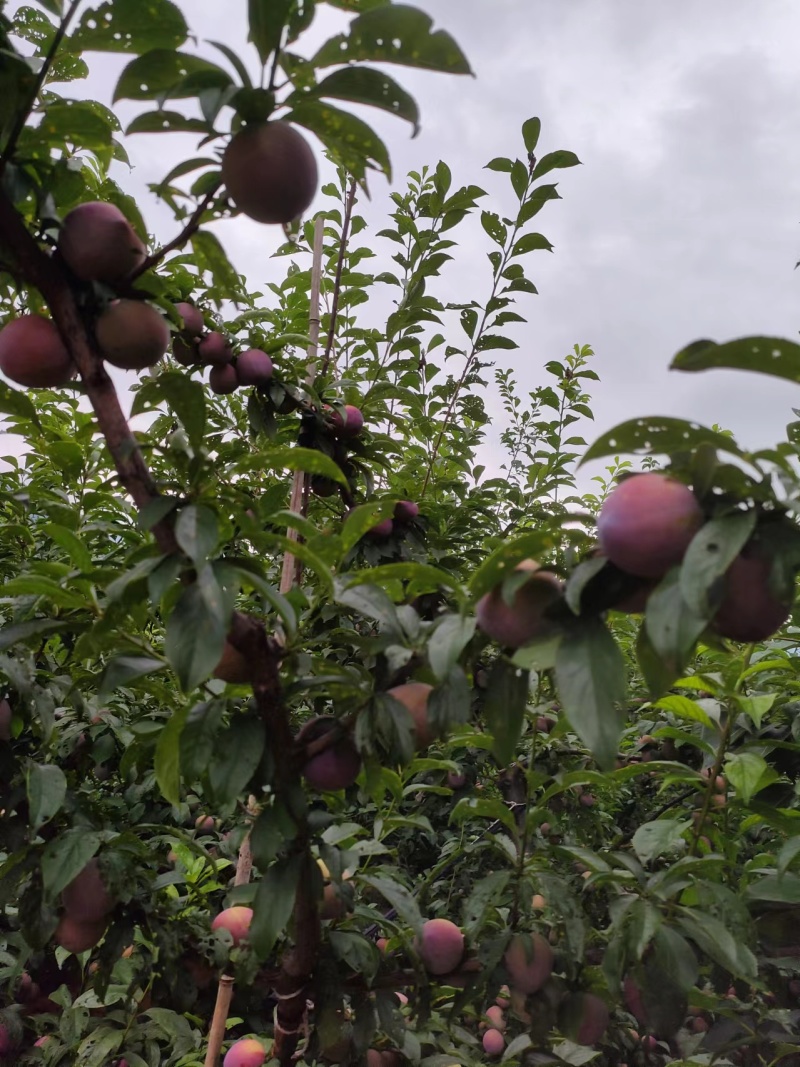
[529, 962]
[270, 172]
[99, 244]
[337, 766]
[647, 522]
[493, 1042]
[583, 1018]
[414, 696]
[253, 367]
[32, 353]
[132, 335]
[86, 899]
[76, 936]
[523, 620]
[441, 947]
[223, 380]
[236, 921]
[348, 425]
[750, 610]
[245, 1053]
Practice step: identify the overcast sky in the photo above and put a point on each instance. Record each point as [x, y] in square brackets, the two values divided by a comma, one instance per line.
[682, 222]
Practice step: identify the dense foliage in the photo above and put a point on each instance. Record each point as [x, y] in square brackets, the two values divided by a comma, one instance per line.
[285, 646]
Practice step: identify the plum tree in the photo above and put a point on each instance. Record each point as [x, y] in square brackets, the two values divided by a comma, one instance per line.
[131, 334]
[98, 243]
[529, 962]
[524, 619]
[223, 379]
[493, 1042]
[750, 610]
[348, 425]
[245, 1053]
[414, 697]
[86, 899]
[215, 350]
[583, 1018]
[236, 921]
[441, 947]
[647, 522]
[32, 353]
[406, 510]
[337, 766]
[253, 367]
[270, 172]
[77, 936]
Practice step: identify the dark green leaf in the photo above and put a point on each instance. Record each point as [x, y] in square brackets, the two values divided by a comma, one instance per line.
[129, 26]
[15, 402]
[196, 532]
[448, 640]
[167, 763]
[536, 201]
[653, 839]
[302, 459]
[504, 708]
[211, 257]
[237, 753]
[267, 19]
[657, 435]
[370, 601]
[503, 560]
[590, 677]
[357, 952]
[47, 788]
[713, 549]
[123, 669]
[23, 631]
[163, 71]
[531, 242]
[364, 85]
[718, 943]
[766, 355]
[553, 161]
[400, 898]
[198, 738]
[196, 629]
[486, 894]
[353, 144]
[361, 519]
[672, 627]
[65, 856]
[274, 903]
[531, 128]
[778, 888]
[167, 122]
[394, 33]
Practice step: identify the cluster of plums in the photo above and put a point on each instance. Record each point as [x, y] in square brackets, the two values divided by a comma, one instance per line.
[644, 528]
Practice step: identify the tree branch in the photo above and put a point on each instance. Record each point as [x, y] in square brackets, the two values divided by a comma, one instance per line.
[337, 285]
[192, 226]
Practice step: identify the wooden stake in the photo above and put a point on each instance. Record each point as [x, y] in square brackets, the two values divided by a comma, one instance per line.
[216, 1034]
[291, 566]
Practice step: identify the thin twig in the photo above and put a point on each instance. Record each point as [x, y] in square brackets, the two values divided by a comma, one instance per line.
[298, 503]
[337, 285]
[192, 226]
[24, 115]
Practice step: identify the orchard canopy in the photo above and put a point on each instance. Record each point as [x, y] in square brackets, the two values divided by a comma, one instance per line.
[324, 739]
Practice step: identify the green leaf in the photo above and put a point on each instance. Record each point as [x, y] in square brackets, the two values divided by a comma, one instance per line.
[198, 737]
[370, 601]
[484, 808]
[712, 550]
[237, 753]
[504, 708]
[672, 627]
[590, 677]
[400, 898]
[72, 545]
[531, 128]
[503, 560]
[748, 774]
[531, 242]
[359, 953]
[654, 839]
[274, 903]
[196, 532]
[24, 631]
[267, 19]
[197, 628]
[167, 762]
[162, 72]
[185, 396]
[15, 402]
[364, 85]
[553, 161]
[536, 201]
[394, 33]
[718, 943]
[658, 435]
[684, 708]
[766, 355]
[448, 640]
[124, 669]
[486, 894]
[211, 257]
[167, 122]
[129, 26]
[47, 788]
[756, 705]
[361, 519]
[778, 888]
[65, 856]
[352, 143]
[301, 459]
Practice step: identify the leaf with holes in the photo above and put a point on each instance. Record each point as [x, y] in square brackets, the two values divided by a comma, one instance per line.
[712, 550]
[658, 435]
[364, 85]
[133, 26]
[161, 71]
[353, 143]
[766, 355]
